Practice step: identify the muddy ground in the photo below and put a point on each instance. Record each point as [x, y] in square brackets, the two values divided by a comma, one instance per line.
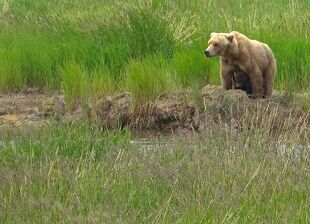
[26, 108]
[169, 112]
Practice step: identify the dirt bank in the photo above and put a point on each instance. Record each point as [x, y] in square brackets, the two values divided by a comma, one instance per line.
[173, 112]
[180, 112]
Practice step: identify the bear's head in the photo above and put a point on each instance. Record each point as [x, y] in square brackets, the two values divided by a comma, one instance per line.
[220, 43]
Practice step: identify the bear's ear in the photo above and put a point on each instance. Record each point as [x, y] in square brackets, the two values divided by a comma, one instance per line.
[230, 37]
[213, 34]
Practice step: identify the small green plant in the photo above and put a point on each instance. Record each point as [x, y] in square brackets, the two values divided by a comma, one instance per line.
[101, 84]
[147, 79]
[74, 84]
[11, 76]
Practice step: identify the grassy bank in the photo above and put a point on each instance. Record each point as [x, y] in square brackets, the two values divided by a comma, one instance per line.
[145, 47]
[80, 174]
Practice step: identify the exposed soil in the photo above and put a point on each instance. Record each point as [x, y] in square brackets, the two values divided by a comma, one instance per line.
[173, 112]
[179, 112]
[30, 108]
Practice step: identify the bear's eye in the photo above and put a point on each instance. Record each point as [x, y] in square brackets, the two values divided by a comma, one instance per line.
[215, 45]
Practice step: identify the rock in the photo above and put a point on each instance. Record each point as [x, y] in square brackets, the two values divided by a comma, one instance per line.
[224, 104]
[217, 93]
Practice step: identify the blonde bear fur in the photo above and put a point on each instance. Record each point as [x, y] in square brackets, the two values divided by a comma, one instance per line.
[240, 54]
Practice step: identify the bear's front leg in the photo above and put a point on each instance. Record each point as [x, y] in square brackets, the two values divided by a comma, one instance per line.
[226, 76]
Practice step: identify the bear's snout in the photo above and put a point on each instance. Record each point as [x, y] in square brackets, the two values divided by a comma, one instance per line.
[207, 53]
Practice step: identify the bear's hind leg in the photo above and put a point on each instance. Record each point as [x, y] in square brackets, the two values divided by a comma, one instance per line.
[269, 79]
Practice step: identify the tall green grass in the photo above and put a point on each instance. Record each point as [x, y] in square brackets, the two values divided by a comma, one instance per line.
[27, 60]
[147, 79]
[74, 83]
[38, 37]
[189, 66]
[79, 174]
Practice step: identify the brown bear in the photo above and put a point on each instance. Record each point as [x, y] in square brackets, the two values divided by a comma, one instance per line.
[240, 54]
